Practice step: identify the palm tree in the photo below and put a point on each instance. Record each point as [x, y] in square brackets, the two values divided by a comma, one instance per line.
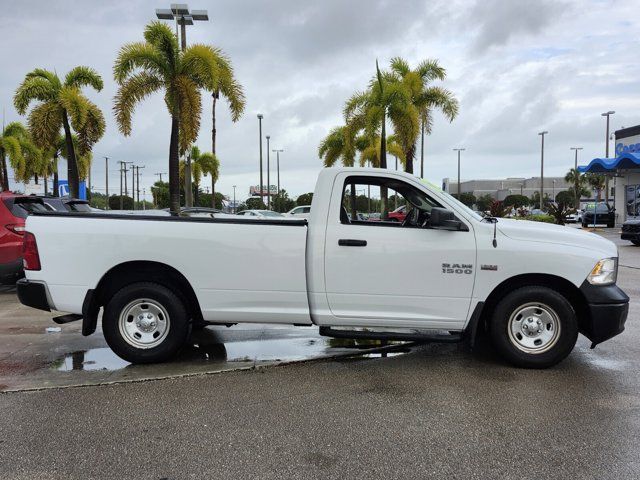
[338, 145]
[202, 163]
[424, 98]
[596, 182]
[62, 105]
[369, 149]
[226, 85]
[24, 156]
[158, 64]
[579, 182]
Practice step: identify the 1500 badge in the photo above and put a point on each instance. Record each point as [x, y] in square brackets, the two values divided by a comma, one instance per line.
[459, 268]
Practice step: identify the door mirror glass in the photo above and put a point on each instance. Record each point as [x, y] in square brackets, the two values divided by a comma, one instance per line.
[443, 219]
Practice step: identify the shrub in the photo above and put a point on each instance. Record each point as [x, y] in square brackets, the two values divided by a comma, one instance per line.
[541, 218]
[516, 201]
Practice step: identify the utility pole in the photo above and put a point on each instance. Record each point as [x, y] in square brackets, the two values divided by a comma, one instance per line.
[278, 152]
[268, 177]
[133, 184]
[234, 199]
[138, 181]
[459, 150]
[159, 174]
[542, 134]
[106, 179]
[260, 134]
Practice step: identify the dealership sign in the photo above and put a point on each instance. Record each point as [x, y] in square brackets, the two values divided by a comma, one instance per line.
[255, 190]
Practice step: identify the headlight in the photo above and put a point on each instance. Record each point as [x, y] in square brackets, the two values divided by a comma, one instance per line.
[605, 272]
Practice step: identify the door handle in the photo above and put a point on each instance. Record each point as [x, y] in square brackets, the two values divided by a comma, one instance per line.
[350, 242]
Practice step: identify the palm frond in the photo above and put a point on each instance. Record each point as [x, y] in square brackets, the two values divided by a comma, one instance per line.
[47, 75]
[15, 129]
[131, 91]
[45, 122]
[82, 76]
[163, 39]
[399, 66]
[189, 103]
[200, 63]
[430, 70]
[12, 148]
[75, 104]
[92, 130]
[139, 55]
[34, 88]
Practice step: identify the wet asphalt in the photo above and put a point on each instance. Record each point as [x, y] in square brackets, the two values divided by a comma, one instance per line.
[439, 411]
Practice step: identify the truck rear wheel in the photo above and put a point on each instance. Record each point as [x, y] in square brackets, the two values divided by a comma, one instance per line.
[534, 327]
[145, 323]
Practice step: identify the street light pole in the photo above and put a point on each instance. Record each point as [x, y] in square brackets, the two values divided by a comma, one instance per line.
[138, 182]
[133, 184]
[268, 177]
[278, 164]
[260, 132]
[576, 180]
[458, 150]
[234, 199]
[106, 179]
[542, 134]
[606, 139]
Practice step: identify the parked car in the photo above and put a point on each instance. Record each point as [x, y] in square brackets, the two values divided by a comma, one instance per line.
[302, 211]
[534, 285]
[13, 211]
[399, 214]
[600, 214]
[260, 214]
[575, 217]
[63, 204]
[631, 231]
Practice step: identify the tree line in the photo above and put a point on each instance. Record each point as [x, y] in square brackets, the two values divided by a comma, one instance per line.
[63, 123]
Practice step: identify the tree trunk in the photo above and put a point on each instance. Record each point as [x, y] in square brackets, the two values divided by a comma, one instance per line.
[72, 166]
[215, 96]
[354, 212]
[35, 179]
[577, 190]
[4, 176]
[213, 193]
[383, 164]
[55, 176]
[174, 168]
[410, 154]
[46, 187]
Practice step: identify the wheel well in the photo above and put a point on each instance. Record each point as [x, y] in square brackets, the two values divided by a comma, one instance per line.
[559, 284]
[140, 271]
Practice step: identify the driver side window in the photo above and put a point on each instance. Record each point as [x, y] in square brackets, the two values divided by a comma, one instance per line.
[371, 200]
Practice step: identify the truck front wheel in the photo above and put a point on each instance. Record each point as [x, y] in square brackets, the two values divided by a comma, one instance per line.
[145, 323]
[534, 327]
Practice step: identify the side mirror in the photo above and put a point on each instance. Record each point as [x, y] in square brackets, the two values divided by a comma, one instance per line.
[443, 219]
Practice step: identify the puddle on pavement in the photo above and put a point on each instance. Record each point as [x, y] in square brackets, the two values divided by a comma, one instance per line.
[209, 349]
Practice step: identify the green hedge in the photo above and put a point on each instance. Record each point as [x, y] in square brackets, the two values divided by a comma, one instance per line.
[540, 218]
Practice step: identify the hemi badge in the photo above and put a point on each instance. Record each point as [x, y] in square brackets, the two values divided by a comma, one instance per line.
[489, 267]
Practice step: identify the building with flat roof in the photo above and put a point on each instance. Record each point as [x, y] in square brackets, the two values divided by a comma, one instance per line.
[499, 189]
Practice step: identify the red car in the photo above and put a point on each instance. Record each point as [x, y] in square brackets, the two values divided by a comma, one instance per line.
[399, 214]
[13, 211]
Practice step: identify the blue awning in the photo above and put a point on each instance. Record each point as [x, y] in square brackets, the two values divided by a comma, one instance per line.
[600, 165]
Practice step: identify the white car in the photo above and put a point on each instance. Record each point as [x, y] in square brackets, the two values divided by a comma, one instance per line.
[260, 214]
[303, 211]
[442, 274]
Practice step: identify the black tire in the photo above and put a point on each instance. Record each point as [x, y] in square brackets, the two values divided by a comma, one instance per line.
[534, 297]
[177, 325]
[610, 225]
[584, 224]
[636, 242]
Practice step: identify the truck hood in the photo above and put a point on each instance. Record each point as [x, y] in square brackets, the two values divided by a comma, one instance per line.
[558, 234]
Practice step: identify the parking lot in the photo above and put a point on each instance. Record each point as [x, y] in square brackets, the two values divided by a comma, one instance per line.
[435, 411]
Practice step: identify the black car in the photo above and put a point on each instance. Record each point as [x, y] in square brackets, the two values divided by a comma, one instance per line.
[631, 231]
[598, 214]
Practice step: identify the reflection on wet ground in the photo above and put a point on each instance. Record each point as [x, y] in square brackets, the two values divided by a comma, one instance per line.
[208, 346]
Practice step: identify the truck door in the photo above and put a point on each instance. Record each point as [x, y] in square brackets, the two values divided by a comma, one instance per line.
[400, 272]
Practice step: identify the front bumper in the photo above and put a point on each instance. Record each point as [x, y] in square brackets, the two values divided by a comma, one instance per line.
[630, 235]
[33, 294]
[607, 308]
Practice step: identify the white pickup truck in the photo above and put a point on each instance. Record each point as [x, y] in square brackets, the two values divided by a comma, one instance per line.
[442, 274]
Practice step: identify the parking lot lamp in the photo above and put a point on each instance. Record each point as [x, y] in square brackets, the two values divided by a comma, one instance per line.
[183, 16]
[542, 134]
[268, 177]
[458, 150]
[278, 152]
[234, 199]
[575, 171]
[260, 132]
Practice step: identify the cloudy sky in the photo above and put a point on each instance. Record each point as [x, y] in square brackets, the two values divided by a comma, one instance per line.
[516, 66]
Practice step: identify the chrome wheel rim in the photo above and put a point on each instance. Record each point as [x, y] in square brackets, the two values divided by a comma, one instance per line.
[144, 323]
[534, 328]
